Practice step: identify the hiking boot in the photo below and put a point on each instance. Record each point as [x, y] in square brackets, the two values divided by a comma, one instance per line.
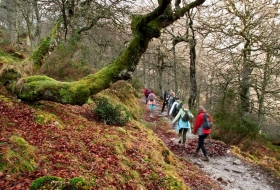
[195, 154]
[205, 158]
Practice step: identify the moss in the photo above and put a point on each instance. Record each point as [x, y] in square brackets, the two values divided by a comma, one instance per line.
[172, 183]
[44, 182]
[253, 157]
[9, 75]
[79, 183]
[135, 20]
[6, 58]
[6, 100]
[45, 46]
[20, 157]
[41, 51]
[121, 130]
[134, 174]
[119, 149]
[46, 118]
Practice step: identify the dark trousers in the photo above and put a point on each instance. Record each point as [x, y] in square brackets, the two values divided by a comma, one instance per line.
[201, 139]
[163, 106]
[183, 132]
[146, 99]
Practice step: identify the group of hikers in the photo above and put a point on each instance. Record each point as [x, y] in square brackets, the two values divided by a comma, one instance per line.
[182, 116]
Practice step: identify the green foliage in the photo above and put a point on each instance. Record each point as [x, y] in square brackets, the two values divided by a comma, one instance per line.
[19, 156]
[44, 182]
[136, 84]
[6, 58]
[79, 183]
[53, 182]
[172, 183]
[111, 114]
[67, 67]
[230, 127]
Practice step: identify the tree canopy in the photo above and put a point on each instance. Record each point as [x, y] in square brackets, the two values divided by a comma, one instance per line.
[144, 28]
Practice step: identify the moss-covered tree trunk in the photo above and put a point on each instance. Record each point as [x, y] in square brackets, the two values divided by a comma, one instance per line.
[144, 27]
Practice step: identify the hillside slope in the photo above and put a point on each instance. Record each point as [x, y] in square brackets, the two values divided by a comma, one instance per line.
[50, 139]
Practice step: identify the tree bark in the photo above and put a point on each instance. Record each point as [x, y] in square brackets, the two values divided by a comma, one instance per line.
[144, 27]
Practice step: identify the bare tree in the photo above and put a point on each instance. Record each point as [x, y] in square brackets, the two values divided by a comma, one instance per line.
[144, 27]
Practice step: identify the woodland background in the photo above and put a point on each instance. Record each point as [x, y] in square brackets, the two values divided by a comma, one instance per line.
[222, 54]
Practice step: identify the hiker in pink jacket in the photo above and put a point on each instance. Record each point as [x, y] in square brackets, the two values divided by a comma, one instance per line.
[152, 100]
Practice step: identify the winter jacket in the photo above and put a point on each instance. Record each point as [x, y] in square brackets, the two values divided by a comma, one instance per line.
[198, 122]
[170, 101]
[152, 102]
[174, 106]
[182, 124]
[144, 92]
[165, 97]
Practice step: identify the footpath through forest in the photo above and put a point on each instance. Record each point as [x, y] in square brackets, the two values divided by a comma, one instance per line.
[231, 172]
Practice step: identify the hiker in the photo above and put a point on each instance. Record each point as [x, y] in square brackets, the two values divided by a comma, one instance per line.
[184, 123]
[146, 93]
[152, 100]
[165, 100]
[171, 100]
[175, 109]
[202, 132]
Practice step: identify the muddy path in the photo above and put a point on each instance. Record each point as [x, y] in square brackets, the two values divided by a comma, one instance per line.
[231, 172]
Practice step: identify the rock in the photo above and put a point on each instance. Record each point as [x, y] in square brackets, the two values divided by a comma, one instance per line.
[237, 162]
[237, 170]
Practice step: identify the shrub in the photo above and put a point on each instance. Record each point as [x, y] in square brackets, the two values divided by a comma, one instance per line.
[111, 114]
[231, 128]
[136, 83]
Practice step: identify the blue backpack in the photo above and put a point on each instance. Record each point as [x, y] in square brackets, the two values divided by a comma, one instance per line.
[207, 124]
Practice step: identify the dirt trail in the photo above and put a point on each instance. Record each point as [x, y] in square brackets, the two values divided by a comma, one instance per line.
[229, 171]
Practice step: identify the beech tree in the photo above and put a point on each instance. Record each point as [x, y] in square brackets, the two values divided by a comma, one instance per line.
[144, 28]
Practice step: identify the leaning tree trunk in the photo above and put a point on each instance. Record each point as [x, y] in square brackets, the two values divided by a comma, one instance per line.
[144, 27]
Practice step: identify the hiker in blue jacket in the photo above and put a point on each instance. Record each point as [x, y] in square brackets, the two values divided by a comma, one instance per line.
[183, 126]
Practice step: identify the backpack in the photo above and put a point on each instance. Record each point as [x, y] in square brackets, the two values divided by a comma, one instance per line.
[151, 97]
[207, 124]
[177, 109]
[172, 100]
[186, 116]
[147, 92]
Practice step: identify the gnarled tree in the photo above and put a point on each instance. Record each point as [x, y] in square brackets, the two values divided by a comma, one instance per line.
[144, 27]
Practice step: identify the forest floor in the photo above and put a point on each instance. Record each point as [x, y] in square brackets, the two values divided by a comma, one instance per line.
[230, 171]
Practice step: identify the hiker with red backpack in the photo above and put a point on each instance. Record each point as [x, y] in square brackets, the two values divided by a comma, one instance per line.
[202, 127]
[152, 101]
[183, 117]
[146, 93]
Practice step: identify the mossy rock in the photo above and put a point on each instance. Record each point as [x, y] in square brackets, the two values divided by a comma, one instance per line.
[57, 183]
[79, 183]
[45, 182]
